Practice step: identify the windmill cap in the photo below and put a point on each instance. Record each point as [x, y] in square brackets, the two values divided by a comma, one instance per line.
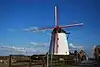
[59, 31]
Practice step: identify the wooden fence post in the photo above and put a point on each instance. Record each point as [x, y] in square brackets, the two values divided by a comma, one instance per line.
[43, 61]
[10, 60]
[47, 60]
[30, 61]
[51, 60]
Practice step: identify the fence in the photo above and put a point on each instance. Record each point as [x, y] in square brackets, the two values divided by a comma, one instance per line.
[36, 61]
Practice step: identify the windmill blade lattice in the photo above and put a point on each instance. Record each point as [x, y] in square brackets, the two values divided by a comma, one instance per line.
[71, 25]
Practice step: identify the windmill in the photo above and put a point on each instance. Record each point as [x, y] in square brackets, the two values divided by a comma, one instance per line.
[59, 43]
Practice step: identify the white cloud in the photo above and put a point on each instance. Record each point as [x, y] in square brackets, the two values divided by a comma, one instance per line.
[31, 28]
[34, 29]
[33, 43]
[74, 46]
[39, 44]
[19, 50]
[48, 34]
[41, 47]
[11, 29]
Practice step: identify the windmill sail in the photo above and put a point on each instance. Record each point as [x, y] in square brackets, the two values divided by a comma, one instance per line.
[59, 38]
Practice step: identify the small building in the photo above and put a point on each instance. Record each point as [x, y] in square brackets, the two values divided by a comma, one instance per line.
[97, 53]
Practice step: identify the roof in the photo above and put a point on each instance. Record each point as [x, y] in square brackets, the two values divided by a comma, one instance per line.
[59, 31]
[98, 46]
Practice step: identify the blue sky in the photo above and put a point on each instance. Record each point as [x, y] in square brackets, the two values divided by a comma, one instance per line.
[16, 15]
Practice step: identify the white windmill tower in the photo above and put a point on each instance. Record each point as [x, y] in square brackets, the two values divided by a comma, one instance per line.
[59, 42]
